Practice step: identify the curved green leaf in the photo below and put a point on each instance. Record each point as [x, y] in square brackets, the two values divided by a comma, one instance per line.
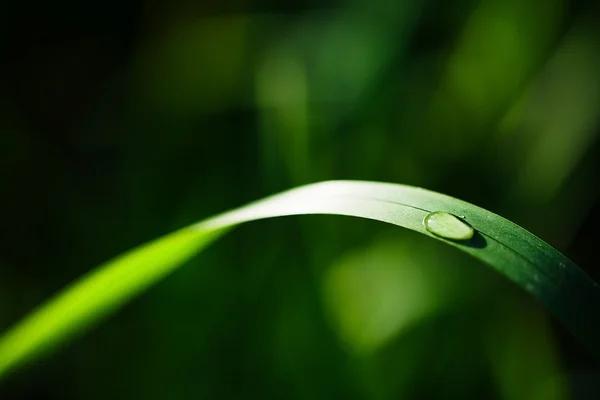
[563, 288]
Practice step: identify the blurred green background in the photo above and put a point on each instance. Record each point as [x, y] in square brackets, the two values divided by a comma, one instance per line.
[121, 121]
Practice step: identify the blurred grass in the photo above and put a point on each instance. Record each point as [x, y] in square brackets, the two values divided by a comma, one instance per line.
[119, 126]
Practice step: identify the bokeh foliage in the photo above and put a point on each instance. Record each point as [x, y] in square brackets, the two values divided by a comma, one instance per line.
[122, 122]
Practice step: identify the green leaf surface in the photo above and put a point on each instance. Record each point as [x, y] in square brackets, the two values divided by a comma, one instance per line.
[563, 288]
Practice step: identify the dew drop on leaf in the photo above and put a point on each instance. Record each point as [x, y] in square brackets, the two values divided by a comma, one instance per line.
[448, 226]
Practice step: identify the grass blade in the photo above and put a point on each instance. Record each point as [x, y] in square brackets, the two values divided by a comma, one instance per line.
[563, 288]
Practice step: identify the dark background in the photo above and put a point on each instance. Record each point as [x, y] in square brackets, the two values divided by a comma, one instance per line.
[121, 121]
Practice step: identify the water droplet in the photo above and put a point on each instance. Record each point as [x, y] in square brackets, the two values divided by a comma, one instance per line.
[448, 226]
